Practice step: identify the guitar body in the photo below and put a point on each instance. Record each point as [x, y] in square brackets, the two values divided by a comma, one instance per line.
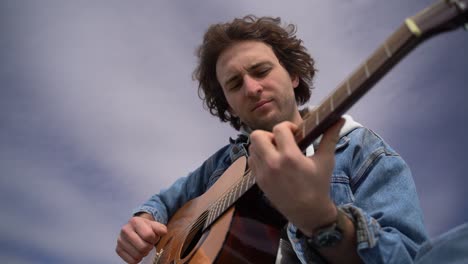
[254, 233]
[249, 232]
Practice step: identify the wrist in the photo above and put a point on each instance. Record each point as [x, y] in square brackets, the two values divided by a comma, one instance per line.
[328, 216]
[144, 215]
[328, 235]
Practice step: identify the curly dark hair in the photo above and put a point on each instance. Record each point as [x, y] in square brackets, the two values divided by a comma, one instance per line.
[288, 49]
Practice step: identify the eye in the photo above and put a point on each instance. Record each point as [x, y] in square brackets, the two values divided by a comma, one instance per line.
[262, 72]
[234, 86]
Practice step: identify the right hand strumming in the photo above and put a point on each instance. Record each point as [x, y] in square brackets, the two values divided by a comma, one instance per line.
[138, 237]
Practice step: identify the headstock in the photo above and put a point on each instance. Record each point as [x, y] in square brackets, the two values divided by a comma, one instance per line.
[442, 16]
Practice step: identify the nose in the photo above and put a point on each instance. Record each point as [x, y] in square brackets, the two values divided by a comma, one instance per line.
[252, 87]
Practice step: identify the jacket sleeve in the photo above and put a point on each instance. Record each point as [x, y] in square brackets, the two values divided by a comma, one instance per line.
[164, 204]
[374, 186]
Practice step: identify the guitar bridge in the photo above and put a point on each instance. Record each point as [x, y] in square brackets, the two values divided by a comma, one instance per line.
[157, 256]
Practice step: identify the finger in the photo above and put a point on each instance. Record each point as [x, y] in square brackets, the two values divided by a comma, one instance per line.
[330, 139]
[159, 229]
[144, 230]
[254, 162]
[129, 249]
[261, 143]
[125, 256]
[284, 136]
[139, 234]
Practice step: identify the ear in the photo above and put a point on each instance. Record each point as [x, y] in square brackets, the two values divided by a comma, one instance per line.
[295, 81]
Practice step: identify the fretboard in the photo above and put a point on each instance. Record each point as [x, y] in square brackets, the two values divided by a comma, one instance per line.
[355, 86]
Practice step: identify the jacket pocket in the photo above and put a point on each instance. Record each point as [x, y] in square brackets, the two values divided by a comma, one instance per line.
[340, 190]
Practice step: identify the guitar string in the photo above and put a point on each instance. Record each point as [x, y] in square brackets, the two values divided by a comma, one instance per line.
[200, 221]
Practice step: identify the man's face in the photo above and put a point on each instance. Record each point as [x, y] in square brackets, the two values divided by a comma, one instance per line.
[257, 87]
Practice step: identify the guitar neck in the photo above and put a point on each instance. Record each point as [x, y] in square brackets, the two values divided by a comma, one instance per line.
[356, 85]
[442, 16]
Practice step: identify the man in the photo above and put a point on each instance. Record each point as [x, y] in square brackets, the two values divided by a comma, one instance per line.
[254, 73]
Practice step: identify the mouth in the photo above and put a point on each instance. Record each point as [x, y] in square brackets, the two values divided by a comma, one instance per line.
[260, 103]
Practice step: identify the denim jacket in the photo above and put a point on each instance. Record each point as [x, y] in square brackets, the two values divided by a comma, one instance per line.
[370, 182]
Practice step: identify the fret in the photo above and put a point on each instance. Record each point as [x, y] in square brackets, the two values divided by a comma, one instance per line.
[308, 125]
[213, 216]
[393, 41]
[239, 187]
[226, 199]
[399, 38]
[357, 79]
[366, 69]
[317, 119]
[247, 182]
[378, 58]
[212, 213]
[243, 183]
[237, 192]
[348, 87]
[323, 109]
[217, 213]
[222, 203]
[387, 50]
[220, 206]
[341, 94]
[251, 180]
[209, 218]
[332, 107]
[300, 132]
[230, 196]
[234, 195]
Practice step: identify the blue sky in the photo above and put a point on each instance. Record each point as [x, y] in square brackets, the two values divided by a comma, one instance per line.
[98, 110]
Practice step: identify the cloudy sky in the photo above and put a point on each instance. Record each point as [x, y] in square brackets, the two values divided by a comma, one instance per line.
[98, 110]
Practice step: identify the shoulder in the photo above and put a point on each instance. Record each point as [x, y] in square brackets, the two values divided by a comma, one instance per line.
[227, 154]
[220, 157]
[362, 152]
[359, 148]
[364, 141]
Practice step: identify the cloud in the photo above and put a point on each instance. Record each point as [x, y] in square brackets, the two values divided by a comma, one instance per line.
[98, 110]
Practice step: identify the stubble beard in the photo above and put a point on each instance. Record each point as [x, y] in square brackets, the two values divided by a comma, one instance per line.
[269, 122]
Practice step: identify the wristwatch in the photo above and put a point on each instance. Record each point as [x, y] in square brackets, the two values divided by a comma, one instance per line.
[329, 235]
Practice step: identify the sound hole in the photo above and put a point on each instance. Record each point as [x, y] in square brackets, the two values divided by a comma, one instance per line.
[194, 236]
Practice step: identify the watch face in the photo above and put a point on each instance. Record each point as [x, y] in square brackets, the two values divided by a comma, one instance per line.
[327, 238]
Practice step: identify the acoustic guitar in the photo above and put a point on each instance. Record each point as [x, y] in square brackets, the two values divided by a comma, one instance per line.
[225, 224]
